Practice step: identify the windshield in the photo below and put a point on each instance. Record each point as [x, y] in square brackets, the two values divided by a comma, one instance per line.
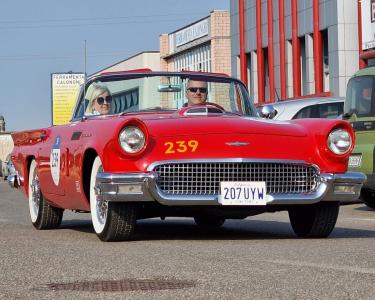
[133, 93]
[360, 96]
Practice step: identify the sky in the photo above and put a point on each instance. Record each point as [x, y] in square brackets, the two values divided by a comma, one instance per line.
[42, 37]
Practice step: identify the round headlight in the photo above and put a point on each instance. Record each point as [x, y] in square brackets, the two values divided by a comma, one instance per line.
[132, 139]
[339, 141]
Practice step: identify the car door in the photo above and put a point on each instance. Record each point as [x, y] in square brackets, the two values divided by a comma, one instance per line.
[59, 162]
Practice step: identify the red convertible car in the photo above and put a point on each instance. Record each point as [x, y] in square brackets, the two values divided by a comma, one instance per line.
[145, 144]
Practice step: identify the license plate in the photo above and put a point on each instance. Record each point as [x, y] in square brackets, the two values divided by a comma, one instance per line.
[355, 161]
[243, 193]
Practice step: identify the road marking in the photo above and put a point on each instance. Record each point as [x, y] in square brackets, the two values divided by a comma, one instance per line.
[321, 266]
[362, 219]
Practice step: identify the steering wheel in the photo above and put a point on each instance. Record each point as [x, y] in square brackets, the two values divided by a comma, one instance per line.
[215, 104]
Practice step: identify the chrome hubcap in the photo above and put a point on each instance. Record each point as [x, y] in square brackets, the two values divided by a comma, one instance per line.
[102, 209]
[101, 205]
[35, 190]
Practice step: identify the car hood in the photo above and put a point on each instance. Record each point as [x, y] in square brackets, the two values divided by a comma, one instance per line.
[191, 125]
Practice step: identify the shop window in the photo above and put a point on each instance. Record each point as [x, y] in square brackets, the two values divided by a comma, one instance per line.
[266, 74]
[250, 87]
[303, 59]
[325, 60]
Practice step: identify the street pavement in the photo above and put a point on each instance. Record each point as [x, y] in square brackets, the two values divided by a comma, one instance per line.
[255, 258]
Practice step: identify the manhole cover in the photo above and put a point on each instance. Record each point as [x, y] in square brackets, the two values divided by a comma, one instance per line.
[121, 285]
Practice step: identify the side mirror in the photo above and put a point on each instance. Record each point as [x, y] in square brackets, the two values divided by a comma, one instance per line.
[348, 115]
[268, 112]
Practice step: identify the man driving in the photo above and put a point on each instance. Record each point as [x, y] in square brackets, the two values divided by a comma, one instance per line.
[196, 92]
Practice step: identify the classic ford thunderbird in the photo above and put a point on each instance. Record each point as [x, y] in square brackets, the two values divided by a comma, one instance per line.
[145, 144]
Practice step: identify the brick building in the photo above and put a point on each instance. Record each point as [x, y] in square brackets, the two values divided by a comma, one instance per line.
[201, 46]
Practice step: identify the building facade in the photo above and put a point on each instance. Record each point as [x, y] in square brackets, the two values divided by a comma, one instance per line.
[142, 60]
[366, 30]
[294, 48]
[129, 99]
[201, 46]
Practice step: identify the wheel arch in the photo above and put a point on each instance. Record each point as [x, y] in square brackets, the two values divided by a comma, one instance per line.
[28, 161]
[88, 160]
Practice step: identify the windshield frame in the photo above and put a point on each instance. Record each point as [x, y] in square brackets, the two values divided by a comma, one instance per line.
[118, 76]
[356, 111]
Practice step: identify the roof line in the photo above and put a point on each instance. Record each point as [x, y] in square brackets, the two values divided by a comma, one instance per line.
[119, 62]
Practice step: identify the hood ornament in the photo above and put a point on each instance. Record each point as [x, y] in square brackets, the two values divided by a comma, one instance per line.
[237, 144]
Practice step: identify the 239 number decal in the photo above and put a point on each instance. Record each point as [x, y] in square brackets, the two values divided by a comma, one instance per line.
[181, 146]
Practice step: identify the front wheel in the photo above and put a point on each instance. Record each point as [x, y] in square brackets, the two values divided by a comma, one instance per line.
[42, 214]
[368, 197]
[111, 221]
[314, 221]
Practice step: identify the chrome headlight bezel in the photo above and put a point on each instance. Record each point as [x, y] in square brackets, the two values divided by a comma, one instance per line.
[132, 139]
[339, 141]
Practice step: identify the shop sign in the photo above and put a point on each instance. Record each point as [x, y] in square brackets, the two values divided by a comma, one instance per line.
[368, 24]
[192, 32]
[65, 89]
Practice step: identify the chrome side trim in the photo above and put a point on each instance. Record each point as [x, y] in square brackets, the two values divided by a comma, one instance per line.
[237, 144]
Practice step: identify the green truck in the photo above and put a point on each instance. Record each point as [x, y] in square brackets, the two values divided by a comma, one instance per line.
[359, 110]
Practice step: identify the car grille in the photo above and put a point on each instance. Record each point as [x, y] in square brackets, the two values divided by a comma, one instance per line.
[204, 178]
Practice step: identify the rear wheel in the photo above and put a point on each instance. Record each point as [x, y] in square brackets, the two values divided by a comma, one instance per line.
[112, 221]
[42, 214]
[368, 197]
[209, 222]
[314, 221]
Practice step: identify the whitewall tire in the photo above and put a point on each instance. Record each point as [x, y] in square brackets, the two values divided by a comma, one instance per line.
[112, 221]
[42, 214]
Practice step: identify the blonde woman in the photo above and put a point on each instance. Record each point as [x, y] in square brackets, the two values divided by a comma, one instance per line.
[100, 99]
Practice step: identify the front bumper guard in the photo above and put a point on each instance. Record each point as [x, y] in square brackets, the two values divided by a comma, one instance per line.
[142, 187]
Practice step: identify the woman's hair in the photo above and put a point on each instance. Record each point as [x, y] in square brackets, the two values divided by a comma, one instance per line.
[94, 91]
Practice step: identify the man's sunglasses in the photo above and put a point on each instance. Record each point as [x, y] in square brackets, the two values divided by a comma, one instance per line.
[100, 100]
[195, 89]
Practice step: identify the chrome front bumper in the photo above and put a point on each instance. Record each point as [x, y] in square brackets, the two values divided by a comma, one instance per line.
[142, 187]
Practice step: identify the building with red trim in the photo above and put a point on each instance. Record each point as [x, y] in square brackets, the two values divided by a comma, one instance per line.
[290, 49]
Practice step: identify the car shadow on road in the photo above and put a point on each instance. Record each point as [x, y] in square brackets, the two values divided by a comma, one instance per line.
[78, 225]
[365, 208]
[185, 229]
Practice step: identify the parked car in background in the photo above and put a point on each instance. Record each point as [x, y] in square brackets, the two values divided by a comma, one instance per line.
[360, 112]
[157, 153]
[319, 107]
[7, 167]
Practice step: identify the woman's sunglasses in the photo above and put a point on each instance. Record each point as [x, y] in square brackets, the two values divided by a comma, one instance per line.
[202, 90]
[101, 100]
